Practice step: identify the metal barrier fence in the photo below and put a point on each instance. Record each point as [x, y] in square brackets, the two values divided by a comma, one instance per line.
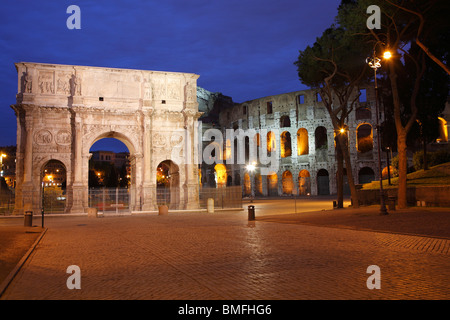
[110, 200]
[54, 200]
[119, 199]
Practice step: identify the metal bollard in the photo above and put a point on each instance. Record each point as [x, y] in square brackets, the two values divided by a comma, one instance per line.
[28, 222]
[251, 213]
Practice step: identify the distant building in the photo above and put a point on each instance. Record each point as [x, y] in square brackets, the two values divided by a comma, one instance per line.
[297, 127]
[118, 159]
[8, 169]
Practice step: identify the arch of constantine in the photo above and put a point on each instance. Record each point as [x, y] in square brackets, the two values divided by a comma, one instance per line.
[62, 110]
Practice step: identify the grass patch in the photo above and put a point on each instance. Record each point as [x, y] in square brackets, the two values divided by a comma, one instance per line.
[436, 176]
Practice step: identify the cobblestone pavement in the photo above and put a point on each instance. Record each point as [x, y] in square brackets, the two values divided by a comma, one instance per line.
[199, 256]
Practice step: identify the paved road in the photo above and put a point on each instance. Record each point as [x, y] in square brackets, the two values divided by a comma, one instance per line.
[203, 256]
[292, 205]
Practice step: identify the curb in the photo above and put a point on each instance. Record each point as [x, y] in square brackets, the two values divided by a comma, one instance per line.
[4, 285]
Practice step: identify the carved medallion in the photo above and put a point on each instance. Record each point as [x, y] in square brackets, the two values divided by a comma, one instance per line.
[43, 137]
[63, 137]
[159, 140]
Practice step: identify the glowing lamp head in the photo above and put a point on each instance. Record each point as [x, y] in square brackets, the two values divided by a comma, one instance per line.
[342, 130]
[387, 55]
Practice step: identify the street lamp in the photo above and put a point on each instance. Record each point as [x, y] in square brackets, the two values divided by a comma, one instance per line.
[374, 62]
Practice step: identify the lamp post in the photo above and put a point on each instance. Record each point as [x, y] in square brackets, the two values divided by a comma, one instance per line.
[374, 62]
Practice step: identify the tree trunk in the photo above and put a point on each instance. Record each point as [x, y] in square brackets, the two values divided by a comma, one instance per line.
[401, 141]
[346, 154]
[402, 170]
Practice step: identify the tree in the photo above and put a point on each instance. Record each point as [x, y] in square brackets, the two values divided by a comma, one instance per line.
[424, 28]
[335, 66]
[398, 33]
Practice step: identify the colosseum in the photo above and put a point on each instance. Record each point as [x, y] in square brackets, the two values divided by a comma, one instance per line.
[297, 128]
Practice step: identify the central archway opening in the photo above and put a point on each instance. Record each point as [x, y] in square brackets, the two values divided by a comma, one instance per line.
[168, 184]
[109, 177]
[53, 183]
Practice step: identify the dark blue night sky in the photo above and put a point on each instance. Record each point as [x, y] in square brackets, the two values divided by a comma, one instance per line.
[244, 49]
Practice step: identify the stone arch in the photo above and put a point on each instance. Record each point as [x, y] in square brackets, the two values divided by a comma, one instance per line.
[220, 175]
[168, 191]
[321, 139]
[323, 182]
[285, 144]
[53, 193]
[443, 130]
[129, 143]
[272, 184]
[366, 175]
[285, 121]
[302, 142]
[364, 138]
[287, 182]
[271, 142]
[247, 185]
[304, 183]
[258, 185]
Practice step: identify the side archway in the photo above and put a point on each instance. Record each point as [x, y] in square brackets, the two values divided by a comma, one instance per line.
[168, 184]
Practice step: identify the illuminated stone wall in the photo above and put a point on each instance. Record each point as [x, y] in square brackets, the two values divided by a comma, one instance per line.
[301, 133]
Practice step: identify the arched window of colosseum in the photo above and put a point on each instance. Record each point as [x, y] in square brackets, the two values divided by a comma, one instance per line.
[443, 131]
[285, 122]
[247, 185]
[287, 182]
[366, 175]
[286, 146]
[302, 142]
[323, 182]
[269, 107]
[247, 148]
[320, 136]
[258, 184]
[221, 175]
[272, 184]
[364, 138]
[271, 142]
[304, 183]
